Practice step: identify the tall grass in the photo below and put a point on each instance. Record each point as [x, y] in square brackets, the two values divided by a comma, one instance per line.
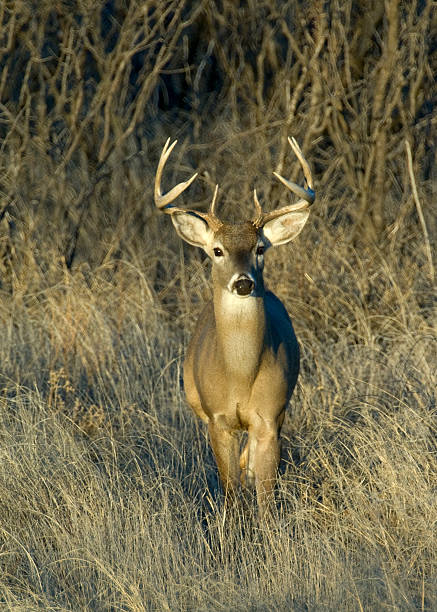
[109, 497]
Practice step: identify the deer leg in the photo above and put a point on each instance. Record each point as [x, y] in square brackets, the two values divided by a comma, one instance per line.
[247, 463]
[266, 462]
[224, 444]
[243, 463]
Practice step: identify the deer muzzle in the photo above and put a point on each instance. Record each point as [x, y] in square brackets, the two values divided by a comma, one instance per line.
[243, 285]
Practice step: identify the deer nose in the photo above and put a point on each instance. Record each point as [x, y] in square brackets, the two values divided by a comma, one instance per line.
[243, 285]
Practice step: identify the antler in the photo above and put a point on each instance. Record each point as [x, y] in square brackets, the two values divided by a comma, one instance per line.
[163, 200]
[307, 194]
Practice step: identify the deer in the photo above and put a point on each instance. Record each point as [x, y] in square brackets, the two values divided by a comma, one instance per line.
[242, 362]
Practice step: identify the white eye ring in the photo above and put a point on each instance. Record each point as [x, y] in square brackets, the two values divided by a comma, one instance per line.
[260, 249]
[218, 252]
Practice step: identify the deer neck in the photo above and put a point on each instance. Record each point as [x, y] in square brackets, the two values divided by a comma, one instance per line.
[241, 328]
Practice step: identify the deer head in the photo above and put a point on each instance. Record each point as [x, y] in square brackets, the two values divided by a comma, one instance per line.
[237, 250]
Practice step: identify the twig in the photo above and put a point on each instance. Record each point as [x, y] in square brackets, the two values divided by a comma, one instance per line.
[420, 212]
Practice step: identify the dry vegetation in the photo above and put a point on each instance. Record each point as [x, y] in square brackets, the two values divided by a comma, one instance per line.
[108, 490]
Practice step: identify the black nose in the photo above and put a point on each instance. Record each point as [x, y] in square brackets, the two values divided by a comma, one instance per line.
[244, 286]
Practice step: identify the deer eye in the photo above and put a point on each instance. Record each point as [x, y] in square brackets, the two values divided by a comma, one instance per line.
[218, 252]
[260, 249]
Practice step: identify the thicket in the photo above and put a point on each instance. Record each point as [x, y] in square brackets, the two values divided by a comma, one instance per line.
[90, 90]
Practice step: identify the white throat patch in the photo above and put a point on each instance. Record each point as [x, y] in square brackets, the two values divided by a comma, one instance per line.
[241, 327]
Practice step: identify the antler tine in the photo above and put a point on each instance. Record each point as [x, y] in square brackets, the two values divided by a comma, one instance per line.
[214, 201]
[163, 200]
[210, 217]
[308, 194]
[259, 211]
[303, 162]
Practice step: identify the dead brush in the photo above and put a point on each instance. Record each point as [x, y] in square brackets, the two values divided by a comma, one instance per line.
[64, 399]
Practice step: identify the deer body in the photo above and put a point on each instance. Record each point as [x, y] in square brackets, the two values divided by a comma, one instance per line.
[242, 362]
[239, 374]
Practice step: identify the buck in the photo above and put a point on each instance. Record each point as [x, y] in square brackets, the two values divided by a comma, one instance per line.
[242, 362]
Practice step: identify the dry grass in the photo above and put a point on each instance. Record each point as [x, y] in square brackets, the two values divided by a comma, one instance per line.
[109, 497]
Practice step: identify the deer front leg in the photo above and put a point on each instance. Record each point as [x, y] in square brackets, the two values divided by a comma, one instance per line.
[247, 463]
[224, 444]
[265, 463]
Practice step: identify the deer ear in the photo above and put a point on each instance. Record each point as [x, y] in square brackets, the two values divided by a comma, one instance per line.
[286, 227]
[192, 228]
